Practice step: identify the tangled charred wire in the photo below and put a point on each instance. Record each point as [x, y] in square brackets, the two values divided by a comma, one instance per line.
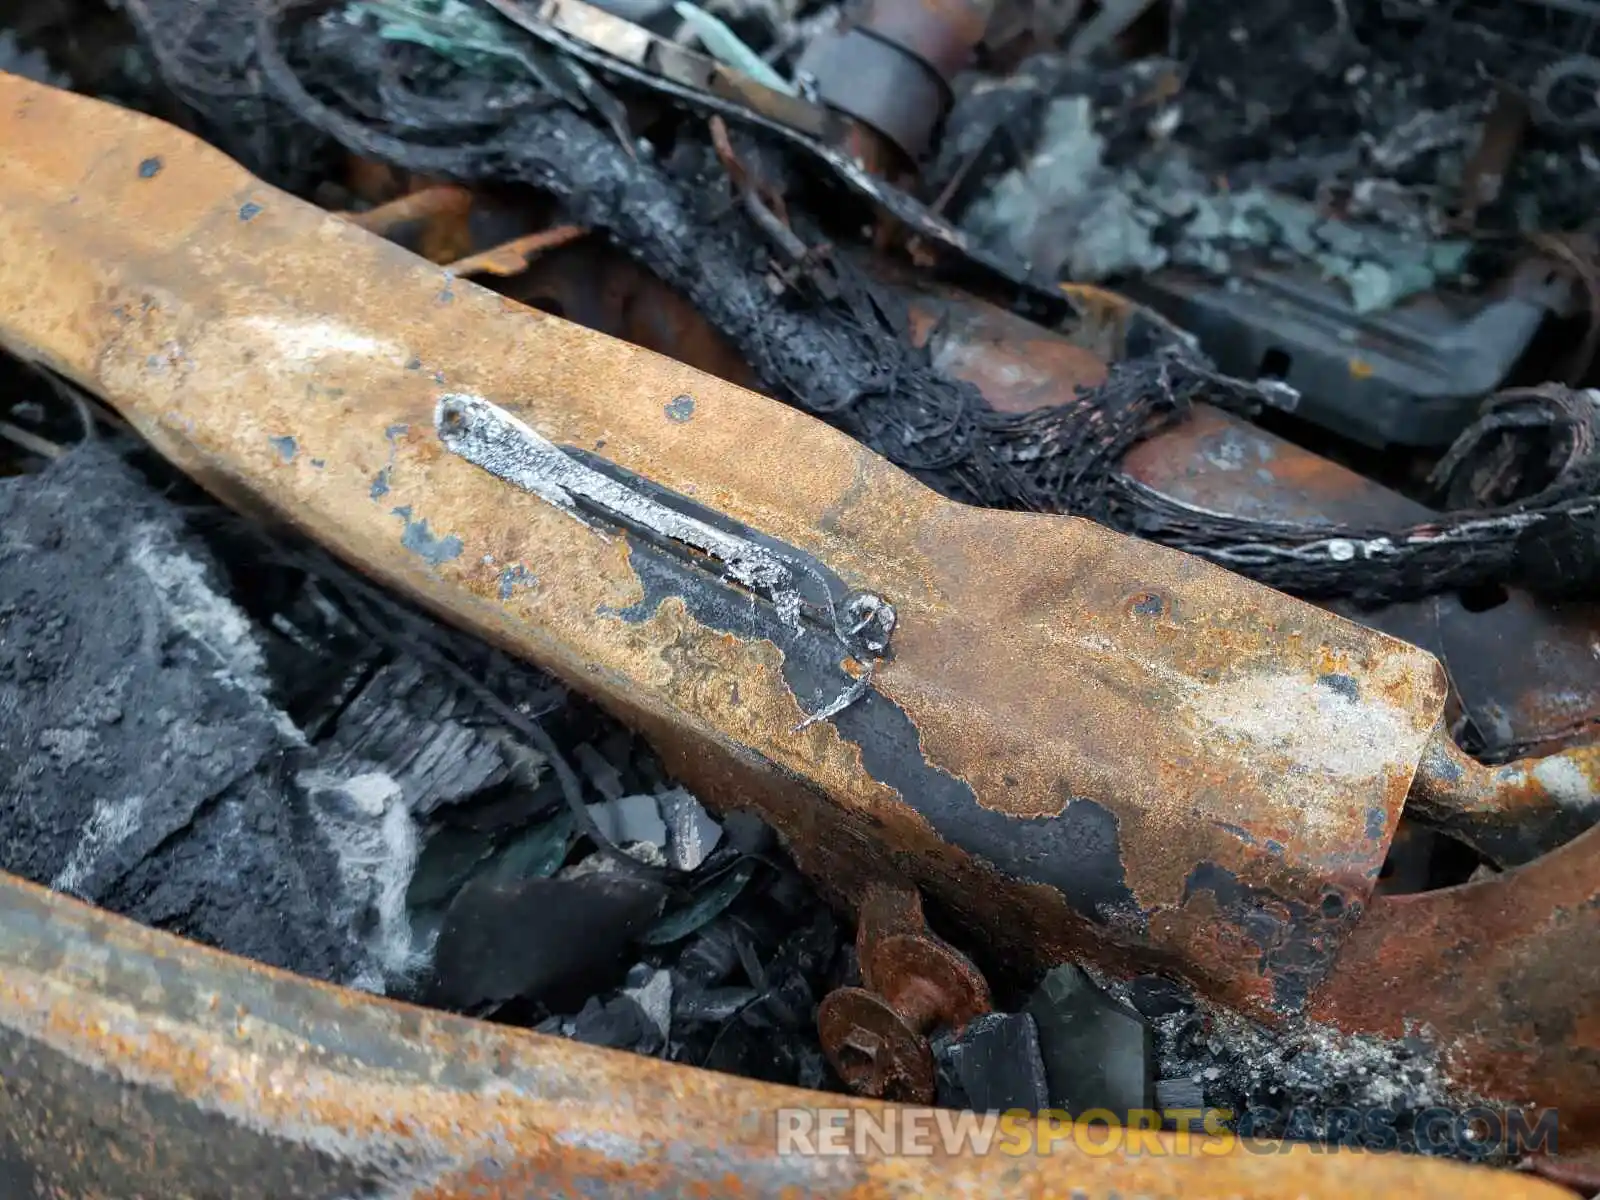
[841, 351]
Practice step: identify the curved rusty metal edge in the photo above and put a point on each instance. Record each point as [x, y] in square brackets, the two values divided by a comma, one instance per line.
[133, 1063]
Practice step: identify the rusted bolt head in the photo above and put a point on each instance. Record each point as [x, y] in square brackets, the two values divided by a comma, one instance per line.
[873, 1049]
[942, 33]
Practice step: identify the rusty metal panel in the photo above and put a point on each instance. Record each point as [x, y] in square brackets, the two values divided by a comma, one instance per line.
[1503, 972]
[1085, 745]
[139, 1065]
[1523, 671]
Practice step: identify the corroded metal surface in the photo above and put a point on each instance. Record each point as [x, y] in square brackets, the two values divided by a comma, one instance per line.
[1083, 745]
[512, 258]
[1518, 1016]
[1504, 973]
[876, 1037]
[1522, 672]
[138, 1065]
[223, 317]
[1511, 813]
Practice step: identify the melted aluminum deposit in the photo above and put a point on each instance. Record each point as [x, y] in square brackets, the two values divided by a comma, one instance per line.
[488, 436]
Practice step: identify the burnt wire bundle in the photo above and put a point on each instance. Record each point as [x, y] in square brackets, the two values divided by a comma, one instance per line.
[265, 69]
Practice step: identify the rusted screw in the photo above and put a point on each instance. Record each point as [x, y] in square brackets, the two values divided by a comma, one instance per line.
[876, 1036]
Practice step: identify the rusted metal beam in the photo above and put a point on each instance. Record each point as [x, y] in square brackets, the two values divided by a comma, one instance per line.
[1521, 671]
[136, 1064]
[1519, 668]
[1225, 755]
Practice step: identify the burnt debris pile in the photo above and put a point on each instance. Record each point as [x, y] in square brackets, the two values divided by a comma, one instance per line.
[1321, 208]
[227, 736]
[1073, 164]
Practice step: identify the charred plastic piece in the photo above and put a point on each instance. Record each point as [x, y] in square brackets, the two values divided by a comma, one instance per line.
[1097, 1053]
[998, 1063]
[876, 1036]
[892, 71]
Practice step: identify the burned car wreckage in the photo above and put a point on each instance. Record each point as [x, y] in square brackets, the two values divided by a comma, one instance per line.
[581, 583]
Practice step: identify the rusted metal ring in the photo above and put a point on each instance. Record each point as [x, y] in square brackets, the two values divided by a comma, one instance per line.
[904, 961]
[878, 84]
[941, 33]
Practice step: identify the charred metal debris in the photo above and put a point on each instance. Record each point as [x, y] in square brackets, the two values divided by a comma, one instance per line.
[406, 802]
[593, 111]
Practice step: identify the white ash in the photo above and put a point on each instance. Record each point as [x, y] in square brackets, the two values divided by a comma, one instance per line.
[111, 823]
[365, 819]
[215, 622]
[1240, 1064]
[631, 821]
[691, 833]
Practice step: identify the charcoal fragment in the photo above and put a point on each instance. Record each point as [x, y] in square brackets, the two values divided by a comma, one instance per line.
[619, 1023]
[709, 902]
[712, 1004]
[549, 940]
[949, 1091]
[422, 731]
[998, 1062]
[1156, 997]
[711, 954]
[1097, 1053]
[142, 752]
[748, 833]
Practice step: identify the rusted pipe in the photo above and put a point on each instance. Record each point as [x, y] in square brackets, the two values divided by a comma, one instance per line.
[1511, 813]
